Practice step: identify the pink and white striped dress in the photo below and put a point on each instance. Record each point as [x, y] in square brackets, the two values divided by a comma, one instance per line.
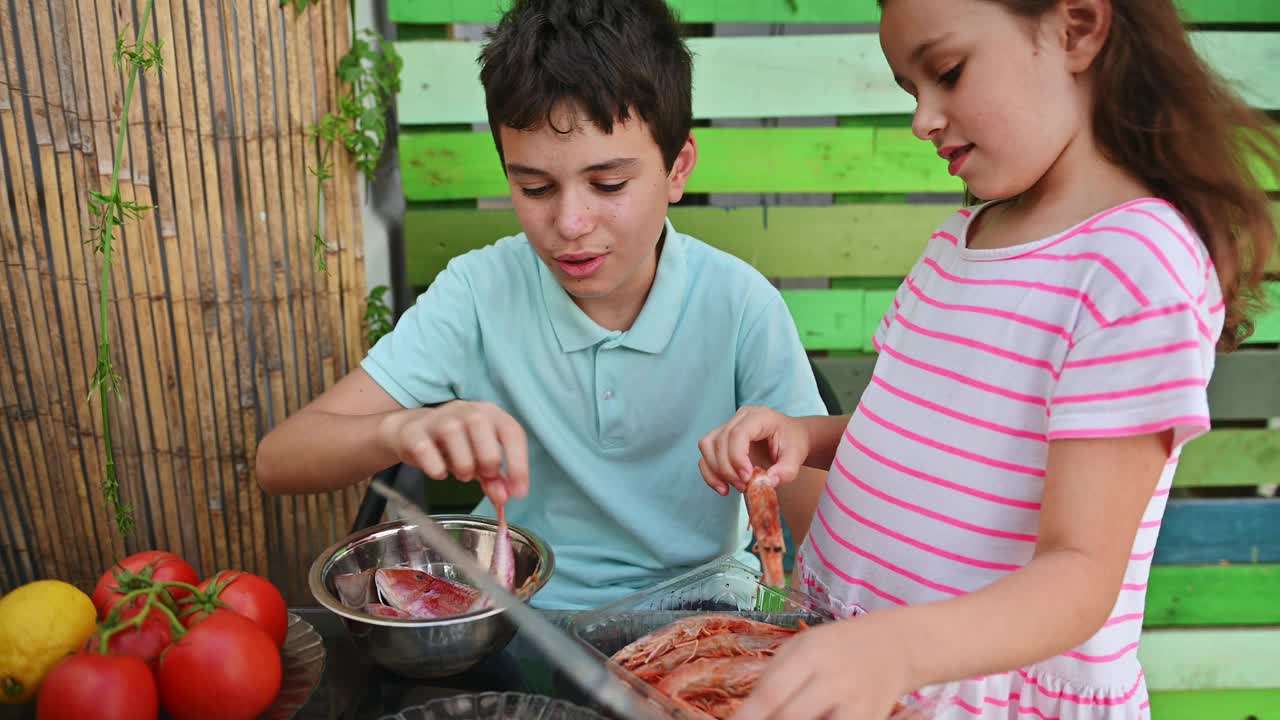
[1105, 330]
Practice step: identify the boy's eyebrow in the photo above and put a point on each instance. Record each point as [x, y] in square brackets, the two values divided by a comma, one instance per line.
[614, 164]
[517, 169]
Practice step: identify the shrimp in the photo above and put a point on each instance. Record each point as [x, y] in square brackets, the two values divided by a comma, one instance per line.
[762, 508]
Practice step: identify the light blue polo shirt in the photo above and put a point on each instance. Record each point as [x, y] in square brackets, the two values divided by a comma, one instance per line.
[613, 419]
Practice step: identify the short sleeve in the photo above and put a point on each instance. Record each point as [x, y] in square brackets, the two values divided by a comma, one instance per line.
[424, 360]
[1146, 372]
[886, 320]
[773, 370]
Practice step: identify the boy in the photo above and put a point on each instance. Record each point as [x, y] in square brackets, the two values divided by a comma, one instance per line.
[574, 367]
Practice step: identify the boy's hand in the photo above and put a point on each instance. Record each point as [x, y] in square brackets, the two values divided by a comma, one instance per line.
[755, 437]
[468, 440]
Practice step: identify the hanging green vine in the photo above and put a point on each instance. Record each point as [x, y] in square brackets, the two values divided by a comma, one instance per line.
[298, 5]
[111, 211]
[377, 315]
[371, 71]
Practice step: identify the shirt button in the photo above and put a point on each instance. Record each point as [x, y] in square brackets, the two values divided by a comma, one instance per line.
[608, 394]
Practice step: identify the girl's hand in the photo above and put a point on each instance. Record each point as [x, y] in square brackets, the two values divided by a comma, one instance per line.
[468, 440]
[847, 670]
[755, 437]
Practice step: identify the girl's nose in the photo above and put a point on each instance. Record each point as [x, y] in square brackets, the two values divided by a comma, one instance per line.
[928, 119]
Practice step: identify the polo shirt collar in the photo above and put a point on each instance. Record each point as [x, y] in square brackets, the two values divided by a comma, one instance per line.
[655, 324]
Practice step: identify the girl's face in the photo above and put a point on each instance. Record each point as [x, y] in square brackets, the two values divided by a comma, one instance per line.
[997, 94]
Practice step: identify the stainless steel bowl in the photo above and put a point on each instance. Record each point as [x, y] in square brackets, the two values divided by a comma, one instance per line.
[427, 648]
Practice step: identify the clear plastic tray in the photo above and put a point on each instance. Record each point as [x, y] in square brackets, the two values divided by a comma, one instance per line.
[722, 586]
[495, 706]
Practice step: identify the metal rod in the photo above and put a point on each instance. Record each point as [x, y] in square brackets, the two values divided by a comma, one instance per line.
[586, 671]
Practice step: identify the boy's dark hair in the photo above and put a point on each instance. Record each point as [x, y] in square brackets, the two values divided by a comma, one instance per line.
[609, 57]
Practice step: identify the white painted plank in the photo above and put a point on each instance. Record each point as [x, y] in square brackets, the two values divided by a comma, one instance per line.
[784, 76]
[1211, 658]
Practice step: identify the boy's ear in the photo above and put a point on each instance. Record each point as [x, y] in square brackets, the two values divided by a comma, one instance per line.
[1084, 27]
[681, 169]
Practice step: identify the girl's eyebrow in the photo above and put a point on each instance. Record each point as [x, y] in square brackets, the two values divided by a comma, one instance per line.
[927, 45]
[918, 54]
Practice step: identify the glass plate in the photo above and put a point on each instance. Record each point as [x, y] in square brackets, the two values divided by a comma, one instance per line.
[303, 656]
[495, 706]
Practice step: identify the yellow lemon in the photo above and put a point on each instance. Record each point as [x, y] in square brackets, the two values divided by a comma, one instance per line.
[40, 623]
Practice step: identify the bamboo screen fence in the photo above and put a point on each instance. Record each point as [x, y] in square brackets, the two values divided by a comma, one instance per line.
[220, 323]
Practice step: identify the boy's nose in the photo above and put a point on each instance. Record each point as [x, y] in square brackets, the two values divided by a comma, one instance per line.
[574, 218]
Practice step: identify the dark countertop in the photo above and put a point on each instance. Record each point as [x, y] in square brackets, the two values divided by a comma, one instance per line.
[353, 688]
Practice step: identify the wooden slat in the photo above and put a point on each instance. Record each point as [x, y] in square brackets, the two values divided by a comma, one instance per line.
[452, 166]
[845, 241]
[198, 97]
[790, 11]
[1230, 458]
[205, 143]
[183, 268]
[267, 340]
[840, 241]
[1195, 595]
[21, 539]
[1211, 659]
[829, 319]
[1255, 450]
[1220, 458]
[354, 286]
[1267, 329]
[1245, 386]
[300, 149]
[26, 363]
[1215, 705]
[69, 276]
[844, 319]
[53, 158]
[141, 249]
[296, 251]
[1221, 530]
[784, 76]
[233, 330]
[94, 132]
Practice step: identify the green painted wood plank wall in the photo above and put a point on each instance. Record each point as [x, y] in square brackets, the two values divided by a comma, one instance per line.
[456, 166]
[791, 11]
[785, 76]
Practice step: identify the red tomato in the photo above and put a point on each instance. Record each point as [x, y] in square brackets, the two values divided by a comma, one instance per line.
[103, 687]
[149, 565]
[146, 641]
[250, 595]
[224, 668]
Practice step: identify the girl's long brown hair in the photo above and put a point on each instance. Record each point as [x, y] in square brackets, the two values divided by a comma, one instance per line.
[1163, 115]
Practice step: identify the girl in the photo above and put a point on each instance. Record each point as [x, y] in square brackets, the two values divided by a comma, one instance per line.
[994, 501]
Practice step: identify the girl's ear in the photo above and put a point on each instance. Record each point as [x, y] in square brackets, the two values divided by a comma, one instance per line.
[1083, 29]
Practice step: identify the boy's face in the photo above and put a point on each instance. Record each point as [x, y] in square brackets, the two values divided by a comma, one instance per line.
[594, 205]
